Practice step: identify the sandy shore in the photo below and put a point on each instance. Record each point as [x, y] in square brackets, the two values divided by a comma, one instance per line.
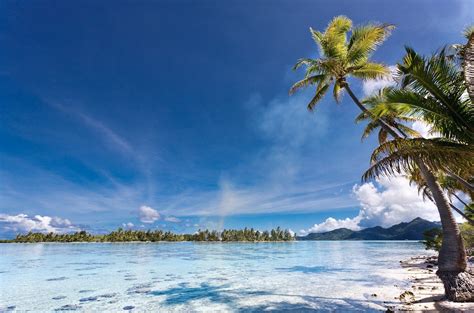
[426, 291]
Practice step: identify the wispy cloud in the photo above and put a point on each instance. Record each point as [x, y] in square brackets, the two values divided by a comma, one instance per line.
[280, 180]
[143, 161]
[111, 137]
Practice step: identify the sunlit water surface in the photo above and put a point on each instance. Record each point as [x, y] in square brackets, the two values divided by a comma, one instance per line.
[185, 277]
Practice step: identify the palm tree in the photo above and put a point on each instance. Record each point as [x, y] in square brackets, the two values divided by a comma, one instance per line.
[341, 58]
[433, 89]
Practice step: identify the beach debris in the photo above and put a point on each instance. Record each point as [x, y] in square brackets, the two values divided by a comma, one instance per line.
[107, 295]
[140, 288]
[59, 297]
[88, 299]
[56, 278]
[69, 307]
[407, 297]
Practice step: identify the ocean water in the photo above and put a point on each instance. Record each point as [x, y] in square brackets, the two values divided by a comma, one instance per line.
[321, 276]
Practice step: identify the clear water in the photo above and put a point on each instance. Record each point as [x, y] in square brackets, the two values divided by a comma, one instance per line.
[186, 277]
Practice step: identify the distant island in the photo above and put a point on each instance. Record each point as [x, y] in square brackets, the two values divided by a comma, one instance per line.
[121, 235]
[404, 231]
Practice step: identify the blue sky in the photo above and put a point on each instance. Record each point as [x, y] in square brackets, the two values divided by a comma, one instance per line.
[182, 107]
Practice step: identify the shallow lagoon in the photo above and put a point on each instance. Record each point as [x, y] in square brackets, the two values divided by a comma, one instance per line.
[303, 276]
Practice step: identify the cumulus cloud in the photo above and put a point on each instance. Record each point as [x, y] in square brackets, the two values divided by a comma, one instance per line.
[332, 223]
[391, 201]
[148, 215]
[398, 201]
[38, 223]
[371, 86]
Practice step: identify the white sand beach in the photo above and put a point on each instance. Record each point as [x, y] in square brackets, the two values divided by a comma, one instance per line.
[426, 293]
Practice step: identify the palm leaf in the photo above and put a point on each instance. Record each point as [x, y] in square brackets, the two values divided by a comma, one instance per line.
[369, 71]
[320, 92]
[365, 40]
[306, 82]
[397, 156]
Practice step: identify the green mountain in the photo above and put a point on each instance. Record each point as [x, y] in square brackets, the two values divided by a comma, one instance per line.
[404, 231]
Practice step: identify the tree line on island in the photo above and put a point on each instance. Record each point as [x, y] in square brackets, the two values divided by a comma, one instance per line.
[121, 235]
[435, 90]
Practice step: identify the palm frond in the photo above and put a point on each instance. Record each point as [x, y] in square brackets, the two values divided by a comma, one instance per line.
[441, 80]
[337, 92]
[320, 92]
[334, 39]
[414, 104]
[468, 32]
[369, 129]
[369, 71]
[365, 40]
[306, 62]
[397, 156]
[312, 80]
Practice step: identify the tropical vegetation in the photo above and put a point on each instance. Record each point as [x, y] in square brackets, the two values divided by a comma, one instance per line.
[121, 235]
[430, 89]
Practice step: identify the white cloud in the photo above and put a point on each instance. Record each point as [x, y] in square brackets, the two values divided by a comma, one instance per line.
[148, 215]
[424, 129]
[371, 86]
[128, 225]
[172, 219]
[331, 224]
[393, 201]
[398, 201]
[38, 223]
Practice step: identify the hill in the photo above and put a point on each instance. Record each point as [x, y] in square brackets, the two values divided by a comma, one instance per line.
[404, 231]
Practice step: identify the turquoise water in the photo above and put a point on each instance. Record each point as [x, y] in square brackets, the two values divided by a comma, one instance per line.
[187, 277]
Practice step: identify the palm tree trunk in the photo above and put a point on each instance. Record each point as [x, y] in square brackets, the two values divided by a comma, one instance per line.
[458, 284]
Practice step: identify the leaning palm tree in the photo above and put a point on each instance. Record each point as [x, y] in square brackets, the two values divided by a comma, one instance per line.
[433, 89]
[342, 57]
[379, 107]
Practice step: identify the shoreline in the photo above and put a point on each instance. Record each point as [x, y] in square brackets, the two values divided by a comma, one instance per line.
[426, 291]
